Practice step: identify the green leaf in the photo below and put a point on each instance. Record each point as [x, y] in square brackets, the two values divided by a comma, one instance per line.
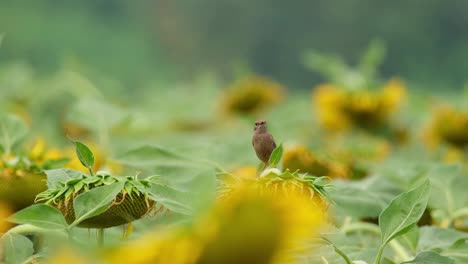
[97, 115]
[363, 198]
[357, 246]
[16, 248]
[430, 257]
[448, 189]
[433, 238]
[40, 215]
[57, 176]
[371, 59]
[172, 199]
[458, 251]
[153, 156]
[85, 155]
[410, 240]
[12, 131]
[403, 212]
[276, 155]
[55, 163]
[95, 202]
[329, 66]
[339, 252]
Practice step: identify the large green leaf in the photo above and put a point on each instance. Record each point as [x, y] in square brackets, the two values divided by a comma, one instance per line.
[16, 248]
[458, 251]
[96, 114]
[12, 131]
[57, 176]
[448, 189]
[95, 202]
[430, 257]
[403, 212]
[40, 215]
[357, 246]
[410, 240]
[172, 199]
[364, 198]
[85, 155]
[433, 238]
[153, 156]
[186, 196]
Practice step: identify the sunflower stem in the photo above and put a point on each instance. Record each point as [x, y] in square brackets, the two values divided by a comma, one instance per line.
[100, 237]
[91, 173]
[379, 254]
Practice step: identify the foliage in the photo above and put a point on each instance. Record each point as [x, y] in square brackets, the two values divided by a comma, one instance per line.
[172, 180]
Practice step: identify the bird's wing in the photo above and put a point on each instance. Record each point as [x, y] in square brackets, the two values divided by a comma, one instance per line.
[272, 140]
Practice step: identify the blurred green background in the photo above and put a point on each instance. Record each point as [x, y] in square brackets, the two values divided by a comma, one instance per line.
[135, 42]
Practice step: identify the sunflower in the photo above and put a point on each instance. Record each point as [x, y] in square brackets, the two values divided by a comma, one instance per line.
[263, 220]
[22, 173]
[448, 126]
[448, 133]
[171, 246]
[67, 255]
[302, 159]
[249, 172]
[251, 95]
[340, 109]
[40, 153]
[5, 212]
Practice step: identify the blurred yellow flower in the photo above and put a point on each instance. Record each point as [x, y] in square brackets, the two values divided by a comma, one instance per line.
[39, 152]
[67, 255]
[20, 181]
[302, 159]
[249, 172]
[273, 218]
[19, 188]
[340, 109]
[453, 155]
[328, 101]
[5, 212]
[172, 246]
[251, 95]
[255, 222]
[448, 126]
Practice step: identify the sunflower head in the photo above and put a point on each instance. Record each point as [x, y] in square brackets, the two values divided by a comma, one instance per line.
[248, 172]
[279, 183]
[171, 246]
[299, 158]
[5, 212]
[449, 126]
[340, 109]
[270, 219]
[251, 95]
[45, 156]
[21, 174]
[130, 204]
[273, 215]
[328, 101]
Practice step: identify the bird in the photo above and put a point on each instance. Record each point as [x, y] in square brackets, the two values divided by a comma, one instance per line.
[263, 142]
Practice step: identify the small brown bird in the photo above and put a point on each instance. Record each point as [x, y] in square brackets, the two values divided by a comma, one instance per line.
[263, 141]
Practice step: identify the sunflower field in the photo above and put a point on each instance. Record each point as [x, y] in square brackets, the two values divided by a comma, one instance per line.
[366, 167]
